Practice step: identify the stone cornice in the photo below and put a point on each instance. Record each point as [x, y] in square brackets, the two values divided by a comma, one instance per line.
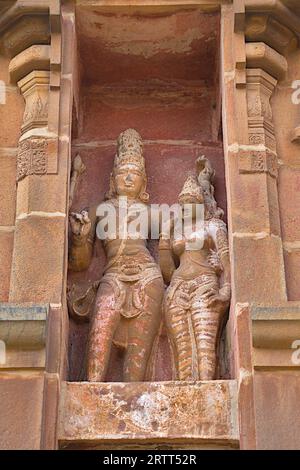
[22, 8]
[260, 55]
[278, 10]
[29, 22]
[261, 27]
[276, 327]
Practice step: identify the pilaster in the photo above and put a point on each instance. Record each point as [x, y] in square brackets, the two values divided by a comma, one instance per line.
[30, 41]
[265, 34]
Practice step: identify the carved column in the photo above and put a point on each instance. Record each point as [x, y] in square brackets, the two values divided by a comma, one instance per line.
[30, 37]
[256, 63]
[40, 206]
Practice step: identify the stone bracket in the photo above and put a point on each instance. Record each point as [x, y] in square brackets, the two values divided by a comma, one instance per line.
[275, 329]
[36, 57]
[23, 333]
[260, 56]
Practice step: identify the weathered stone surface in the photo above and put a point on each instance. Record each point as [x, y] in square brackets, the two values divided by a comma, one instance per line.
[292, 260]
[28, 30]
[296, 135]
[21, 410]
[148, 412]
[23, 330]
[8, 187]
[151, 42]
[46, 193]
[259, 55]
[259, 270]
[35, 90]
[286, 117]
[6, 251]
[277, 409]
[50, 412]
[289, 183]
[176, 108]
[275, 327]
[258, 161]
[11, 118]
[23, 326]
[36, 57]
[253, 201]
[241, 326]
[38, 258]
[267, 29]
[4, 63]
[273, 359]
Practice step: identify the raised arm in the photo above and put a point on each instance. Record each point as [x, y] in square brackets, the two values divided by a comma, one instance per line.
[83, 227]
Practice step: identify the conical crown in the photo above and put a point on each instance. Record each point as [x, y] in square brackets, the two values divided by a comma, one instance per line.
[191, 188]
[130, 150]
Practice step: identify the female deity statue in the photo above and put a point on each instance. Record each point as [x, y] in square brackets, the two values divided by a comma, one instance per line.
[199, 292]
[127, 309]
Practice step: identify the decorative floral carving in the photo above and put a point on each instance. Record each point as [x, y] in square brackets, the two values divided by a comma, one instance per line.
[254, 106]
[256, 139]
[258, 162]
[36, 111]
[32, 158]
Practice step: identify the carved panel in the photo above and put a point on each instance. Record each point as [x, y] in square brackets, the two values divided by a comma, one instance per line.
[255, 161]
[35, 89]
[36, 111]
[32, 157]
[260, 86]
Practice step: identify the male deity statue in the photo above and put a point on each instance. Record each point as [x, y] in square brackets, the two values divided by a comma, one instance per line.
[127, 310]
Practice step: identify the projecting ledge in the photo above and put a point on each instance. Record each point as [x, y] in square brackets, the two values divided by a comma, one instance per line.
[93, 414]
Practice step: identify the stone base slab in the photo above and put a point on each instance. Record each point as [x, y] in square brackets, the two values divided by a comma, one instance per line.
[186, 413]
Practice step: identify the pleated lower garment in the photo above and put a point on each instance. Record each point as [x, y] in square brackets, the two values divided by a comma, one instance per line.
[193, 327]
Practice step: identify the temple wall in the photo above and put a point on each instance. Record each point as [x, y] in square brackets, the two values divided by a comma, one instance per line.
[225, 90]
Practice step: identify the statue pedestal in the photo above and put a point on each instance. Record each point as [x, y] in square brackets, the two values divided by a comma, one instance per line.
[177, 415]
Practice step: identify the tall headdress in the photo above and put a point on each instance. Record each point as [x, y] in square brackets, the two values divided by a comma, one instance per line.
[130, 150]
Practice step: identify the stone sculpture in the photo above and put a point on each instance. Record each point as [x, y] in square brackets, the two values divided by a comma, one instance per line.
[199, 292]
[127, 310]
